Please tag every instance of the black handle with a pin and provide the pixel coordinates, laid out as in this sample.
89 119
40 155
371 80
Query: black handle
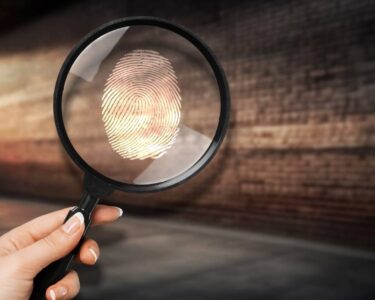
57 270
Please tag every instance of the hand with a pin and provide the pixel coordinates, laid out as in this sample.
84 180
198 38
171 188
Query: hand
27 249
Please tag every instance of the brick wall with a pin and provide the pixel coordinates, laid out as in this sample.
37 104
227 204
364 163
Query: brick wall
300 157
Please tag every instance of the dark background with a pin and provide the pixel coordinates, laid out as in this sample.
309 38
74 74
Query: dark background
286 210
300 156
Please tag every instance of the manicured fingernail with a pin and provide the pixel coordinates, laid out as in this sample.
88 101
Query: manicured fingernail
120 212
74 223
92 251
58 293
52 294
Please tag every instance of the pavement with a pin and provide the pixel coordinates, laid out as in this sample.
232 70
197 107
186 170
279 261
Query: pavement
154 258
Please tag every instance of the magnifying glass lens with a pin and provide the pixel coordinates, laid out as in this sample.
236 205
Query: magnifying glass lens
141 104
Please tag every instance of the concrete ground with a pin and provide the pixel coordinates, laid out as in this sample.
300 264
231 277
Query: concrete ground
146 258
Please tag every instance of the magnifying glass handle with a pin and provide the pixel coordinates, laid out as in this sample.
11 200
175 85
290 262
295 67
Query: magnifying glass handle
58 269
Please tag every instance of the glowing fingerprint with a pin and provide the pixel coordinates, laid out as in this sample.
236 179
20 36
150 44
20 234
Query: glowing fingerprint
141 105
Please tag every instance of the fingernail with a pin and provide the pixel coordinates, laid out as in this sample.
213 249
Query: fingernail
52 294
120 212
58 293
92 251
74 223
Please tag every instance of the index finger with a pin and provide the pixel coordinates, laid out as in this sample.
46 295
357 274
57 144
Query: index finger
40 227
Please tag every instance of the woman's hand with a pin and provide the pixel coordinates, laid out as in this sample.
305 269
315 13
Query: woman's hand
27 249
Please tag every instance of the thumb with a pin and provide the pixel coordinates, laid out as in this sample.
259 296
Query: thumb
52 247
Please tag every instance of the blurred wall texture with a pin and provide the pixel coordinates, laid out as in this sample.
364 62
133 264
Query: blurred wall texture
300 157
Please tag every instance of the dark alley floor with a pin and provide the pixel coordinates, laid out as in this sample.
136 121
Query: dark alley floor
145 258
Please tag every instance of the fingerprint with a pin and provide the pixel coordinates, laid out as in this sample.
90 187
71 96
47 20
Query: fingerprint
141 105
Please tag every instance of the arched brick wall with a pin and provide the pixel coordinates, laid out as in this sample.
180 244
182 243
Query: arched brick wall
300 157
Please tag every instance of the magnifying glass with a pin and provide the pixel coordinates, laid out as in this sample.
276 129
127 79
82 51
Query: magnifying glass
140 105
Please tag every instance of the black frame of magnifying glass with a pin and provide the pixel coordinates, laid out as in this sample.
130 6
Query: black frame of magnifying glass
99 184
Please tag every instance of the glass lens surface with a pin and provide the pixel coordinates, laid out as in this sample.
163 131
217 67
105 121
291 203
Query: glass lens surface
141 105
